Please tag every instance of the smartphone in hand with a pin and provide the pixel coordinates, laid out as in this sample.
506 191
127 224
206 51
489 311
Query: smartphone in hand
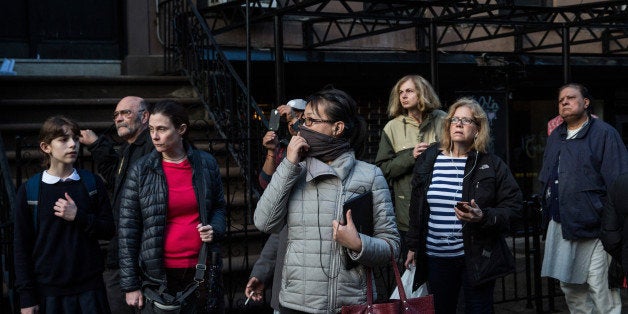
461 207
273 122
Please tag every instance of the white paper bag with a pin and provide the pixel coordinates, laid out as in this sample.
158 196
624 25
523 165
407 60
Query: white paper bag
406 281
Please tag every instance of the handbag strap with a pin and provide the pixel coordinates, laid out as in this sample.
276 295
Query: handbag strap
201 266
369 287
199 277
402 292
369 279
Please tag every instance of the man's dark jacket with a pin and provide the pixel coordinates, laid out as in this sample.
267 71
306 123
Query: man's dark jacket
113 166
589 165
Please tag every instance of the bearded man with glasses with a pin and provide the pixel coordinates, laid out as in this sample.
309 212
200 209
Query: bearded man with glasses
131 122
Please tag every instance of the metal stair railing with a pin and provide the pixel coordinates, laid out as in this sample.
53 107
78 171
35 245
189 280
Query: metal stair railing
7 203
240 123
190 48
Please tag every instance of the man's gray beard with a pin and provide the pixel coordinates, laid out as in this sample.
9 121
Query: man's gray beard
132 131
128 134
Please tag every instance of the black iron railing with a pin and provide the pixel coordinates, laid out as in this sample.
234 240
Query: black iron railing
7 202
190 48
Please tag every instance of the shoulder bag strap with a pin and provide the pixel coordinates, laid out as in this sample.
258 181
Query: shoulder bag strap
201 266
402 292
369 287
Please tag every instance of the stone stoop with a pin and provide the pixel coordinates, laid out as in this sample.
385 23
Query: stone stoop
57 67
27 100
90 100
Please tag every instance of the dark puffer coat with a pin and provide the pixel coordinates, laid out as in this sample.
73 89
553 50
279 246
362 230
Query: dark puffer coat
143 213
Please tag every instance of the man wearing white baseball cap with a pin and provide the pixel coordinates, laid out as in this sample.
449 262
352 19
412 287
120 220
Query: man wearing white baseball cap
292 112
267 268
297 104
297 107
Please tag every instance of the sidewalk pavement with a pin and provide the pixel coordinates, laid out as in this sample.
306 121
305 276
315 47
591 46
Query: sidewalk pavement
521 306
559 305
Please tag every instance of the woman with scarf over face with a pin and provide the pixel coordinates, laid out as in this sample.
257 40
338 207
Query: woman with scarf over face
307 192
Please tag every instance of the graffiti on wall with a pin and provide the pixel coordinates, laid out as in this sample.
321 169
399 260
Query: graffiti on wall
494 104
490 105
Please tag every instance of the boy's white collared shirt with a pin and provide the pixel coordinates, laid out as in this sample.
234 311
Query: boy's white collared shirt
50 179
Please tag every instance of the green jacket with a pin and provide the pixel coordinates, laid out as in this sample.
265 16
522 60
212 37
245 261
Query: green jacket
394 156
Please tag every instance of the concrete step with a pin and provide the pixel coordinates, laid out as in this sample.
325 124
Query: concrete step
68 87
83 110
33 128
56 67
28 128
84 103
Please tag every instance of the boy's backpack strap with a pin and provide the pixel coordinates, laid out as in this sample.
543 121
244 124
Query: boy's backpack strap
32 195
34 183
89 181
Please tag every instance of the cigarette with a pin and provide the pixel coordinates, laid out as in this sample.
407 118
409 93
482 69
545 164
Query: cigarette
247 300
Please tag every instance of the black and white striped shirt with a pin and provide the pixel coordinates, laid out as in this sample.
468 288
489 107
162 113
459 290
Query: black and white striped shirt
444 237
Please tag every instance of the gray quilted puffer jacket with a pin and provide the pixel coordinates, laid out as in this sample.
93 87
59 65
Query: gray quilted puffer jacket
308 196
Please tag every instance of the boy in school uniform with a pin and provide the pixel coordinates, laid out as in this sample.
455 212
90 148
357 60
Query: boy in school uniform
58 261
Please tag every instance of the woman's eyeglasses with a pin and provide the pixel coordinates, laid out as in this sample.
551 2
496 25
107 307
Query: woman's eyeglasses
465 121
309 121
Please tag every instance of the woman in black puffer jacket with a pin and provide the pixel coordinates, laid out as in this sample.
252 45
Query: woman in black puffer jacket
166 195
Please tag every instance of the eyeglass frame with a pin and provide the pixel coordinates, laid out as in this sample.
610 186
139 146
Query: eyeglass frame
464 121
125 113
304 121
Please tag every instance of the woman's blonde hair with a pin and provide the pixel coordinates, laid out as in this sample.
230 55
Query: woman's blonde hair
482 141
428 100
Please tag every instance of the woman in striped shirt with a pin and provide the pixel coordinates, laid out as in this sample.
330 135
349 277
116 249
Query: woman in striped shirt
462 201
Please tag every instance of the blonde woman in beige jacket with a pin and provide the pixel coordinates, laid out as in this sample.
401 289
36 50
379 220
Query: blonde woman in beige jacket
416 122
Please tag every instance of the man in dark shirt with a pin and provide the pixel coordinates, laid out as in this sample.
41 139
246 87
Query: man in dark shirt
131 121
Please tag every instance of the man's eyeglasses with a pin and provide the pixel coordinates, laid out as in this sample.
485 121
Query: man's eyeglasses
125 113
309 121
465 121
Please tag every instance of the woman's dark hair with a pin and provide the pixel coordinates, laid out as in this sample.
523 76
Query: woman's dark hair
339 106
177 114
54 127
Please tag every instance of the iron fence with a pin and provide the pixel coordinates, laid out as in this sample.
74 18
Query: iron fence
7 199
